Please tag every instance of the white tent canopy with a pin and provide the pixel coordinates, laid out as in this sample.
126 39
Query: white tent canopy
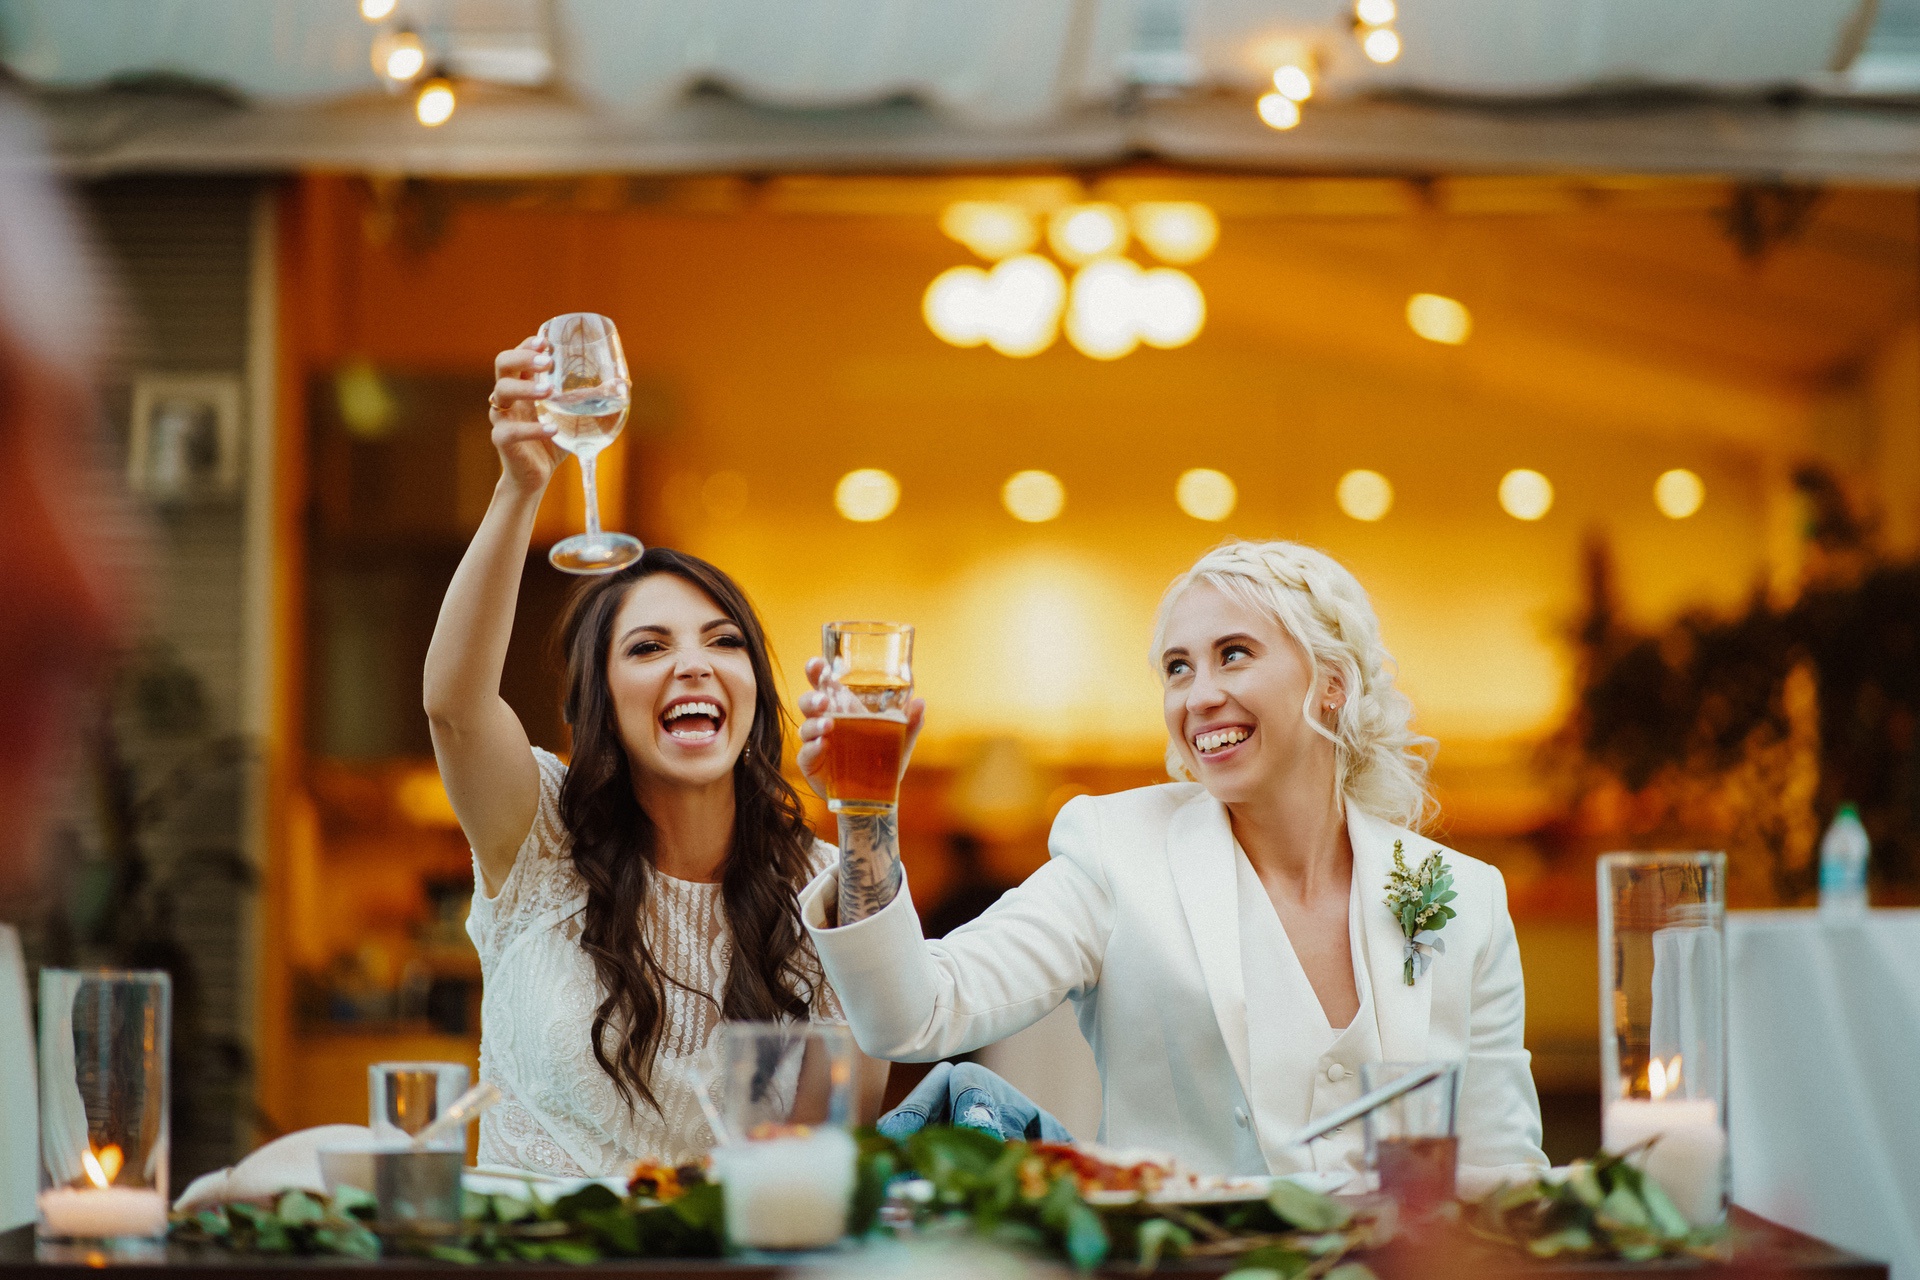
570 85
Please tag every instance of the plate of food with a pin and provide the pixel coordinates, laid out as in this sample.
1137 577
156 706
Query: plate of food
1108 1177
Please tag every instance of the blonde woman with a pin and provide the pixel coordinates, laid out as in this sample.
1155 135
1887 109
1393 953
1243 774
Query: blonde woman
1224 939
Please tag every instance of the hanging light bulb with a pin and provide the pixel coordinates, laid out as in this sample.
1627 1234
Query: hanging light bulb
1381 44
376 10
1279 111
434 104
1294 82
399 55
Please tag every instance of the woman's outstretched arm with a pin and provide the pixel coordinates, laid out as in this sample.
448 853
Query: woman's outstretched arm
485 759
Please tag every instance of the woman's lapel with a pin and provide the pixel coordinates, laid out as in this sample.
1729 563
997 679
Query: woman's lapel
1200 854
1402 1011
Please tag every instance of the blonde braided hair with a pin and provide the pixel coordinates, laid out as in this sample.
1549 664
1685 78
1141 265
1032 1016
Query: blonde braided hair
1380 763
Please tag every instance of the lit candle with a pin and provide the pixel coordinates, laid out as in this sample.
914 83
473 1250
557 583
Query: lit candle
1688 1159
788 1192
103 1210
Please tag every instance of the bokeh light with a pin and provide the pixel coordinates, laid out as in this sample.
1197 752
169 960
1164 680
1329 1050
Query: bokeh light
1381 44
1364 495
1101 320
1015 308
993 229
1206 494
1033 496
435 102
1293 82
1679 493
866 495
1082 232
1279 111
1526 495
1176 231
1376 13
1168 308
1439 319
399 55
376 10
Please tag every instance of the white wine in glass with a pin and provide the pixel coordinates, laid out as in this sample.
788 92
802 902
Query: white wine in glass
591 396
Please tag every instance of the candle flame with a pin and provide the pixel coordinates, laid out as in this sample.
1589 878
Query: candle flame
103 1166
1663 1078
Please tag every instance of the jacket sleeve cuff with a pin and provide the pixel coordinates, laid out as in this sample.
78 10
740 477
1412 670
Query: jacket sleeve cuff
878 966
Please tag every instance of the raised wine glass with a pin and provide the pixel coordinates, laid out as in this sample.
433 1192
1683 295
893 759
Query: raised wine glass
591 396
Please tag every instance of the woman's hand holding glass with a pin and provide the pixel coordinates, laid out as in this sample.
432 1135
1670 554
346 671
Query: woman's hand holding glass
528 455
819 723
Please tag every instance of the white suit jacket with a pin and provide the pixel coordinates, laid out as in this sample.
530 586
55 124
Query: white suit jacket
1135 920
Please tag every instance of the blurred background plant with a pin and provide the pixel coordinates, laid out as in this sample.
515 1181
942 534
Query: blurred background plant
146 839
1748 732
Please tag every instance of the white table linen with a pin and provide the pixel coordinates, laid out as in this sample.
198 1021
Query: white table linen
19 1110
1824 1038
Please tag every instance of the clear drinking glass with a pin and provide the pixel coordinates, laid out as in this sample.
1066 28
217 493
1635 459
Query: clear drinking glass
405 1097
1410 1139
104 1037
780 1101
1663 1022
591 396
869 686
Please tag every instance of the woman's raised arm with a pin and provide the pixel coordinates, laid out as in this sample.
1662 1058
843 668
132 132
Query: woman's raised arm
485 759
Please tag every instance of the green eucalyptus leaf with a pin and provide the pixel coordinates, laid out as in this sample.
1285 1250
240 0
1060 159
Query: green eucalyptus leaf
1584 1184
1157 1236
1087 1242
453 1253
1272 1258
1668 1222
1351 1271
1307 1210
1622 1210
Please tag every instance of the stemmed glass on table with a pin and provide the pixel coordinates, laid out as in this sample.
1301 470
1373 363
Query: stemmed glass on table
592 393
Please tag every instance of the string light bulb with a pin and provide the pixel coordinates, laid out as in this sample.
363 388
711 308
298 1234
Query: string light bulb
1033 496
1206 494
434 104
1293 81
1279 111
1382 44
1679 493
1364 495
866 495
1526 495
377 10
1082 232
1438 318
993 229
1176 231
399 55
1375 13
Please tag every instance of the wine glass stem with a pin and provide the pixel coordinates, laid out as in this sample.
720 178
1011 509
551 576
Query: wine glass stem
588 463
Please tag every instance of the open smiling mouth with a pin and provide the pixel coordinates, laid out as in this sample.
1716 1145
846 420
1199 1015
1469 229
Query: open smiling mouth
693 721
1215 741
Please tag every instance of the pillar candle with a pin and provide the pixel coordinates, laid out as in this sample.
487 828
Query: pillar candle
1688 1161
102 1212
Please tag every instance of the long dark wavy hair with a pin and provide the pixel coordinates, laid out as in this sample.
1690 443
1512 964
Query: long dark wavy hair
772 972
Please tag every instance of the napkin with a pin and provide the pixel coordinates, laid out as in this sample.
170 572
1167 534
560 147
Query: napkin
289 1163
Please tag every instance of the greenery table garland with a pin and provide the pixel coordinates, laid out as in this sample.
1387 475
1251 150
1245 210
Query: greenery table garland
971 1185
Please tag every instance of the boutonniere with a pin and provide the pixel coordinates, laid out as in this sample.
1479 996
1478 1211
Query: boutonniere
1418 899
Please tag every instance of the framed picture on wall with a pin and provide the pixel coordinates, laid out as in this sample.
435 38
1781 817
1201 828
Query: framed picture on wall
185 438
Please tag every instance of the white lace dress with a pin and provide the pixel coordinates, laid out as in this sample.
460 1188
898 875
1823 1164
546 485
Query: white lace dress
560 1113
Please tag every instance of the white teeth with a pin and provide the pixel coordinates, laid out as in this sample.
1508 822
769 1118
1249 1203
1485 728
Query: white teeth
1221 738
707 709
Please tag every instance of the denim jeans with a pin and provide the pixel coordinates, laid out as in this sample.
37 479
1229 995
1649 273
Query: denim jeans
969 1095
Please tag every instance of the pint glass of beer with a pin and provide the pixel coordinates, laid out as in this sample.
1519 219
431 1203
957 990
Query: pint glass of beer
869 685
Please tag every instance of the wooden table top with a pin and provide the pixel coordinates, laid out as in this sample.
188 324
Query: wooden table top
1758 1246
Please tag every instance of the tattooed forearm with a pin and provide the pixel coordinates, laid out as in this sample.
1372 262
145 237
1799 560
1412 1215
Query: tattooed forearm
870 871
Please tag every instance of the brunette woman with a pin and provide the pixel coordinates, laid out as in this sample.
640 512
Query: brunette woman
627 904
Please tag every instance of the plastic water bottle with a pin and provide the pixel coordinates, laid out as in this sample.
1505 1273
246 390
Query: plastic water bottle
1843 865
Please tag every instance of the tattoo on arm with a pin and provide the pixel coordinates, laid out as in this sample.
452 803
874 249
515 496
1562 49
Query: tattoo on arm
870 871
